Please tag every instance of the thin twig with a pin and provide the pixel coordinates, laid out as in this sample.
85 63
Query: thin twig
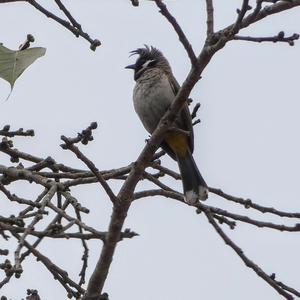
165 170
181 35
50 194
210 17
223 220
269 10
26 44
247 203
14 198
245 219
195 110
287 288
5 131
69 144
85 254
58 273
68 14
274 39
75 30
241 14
249 263
154 180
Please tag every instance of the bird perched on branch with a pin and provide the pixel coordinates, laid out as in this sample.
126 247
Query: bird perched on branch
155 90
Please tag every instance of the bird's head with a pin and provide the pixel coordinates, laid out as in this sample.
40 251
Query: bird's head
149 57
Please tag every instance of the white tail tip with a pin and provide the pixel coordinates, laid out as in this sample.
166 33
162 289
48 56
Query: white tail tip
191 197
203 192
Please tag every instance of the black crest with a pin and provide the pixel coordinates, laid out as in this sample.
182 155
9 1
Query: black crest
151 55
148 53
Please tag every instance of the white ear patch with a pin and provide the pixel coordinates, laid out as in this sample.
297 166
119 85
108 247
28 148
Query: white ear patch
146 64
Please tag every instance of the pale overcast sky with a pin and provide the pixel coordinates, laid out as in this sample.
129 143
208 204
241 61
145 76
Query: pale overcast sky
247 144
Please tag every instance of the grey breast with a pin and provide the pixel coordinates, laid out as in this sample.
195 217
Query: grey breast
151 98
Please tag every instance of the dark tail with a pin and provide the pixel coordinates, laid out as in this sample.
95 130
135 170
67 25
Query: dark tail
194 186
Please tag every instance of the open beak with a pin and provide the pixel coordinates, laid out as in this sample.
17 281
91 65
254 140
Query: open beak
130 67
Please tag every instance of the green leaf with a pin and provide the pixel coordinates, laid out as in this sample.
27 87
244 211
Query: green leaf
14 63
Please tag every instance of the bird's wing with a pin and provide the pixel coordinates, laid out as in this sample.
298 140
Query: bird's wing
184 120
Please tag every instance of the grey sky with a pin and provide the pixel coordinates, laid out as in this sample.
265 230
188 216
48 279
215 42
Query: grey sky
247 144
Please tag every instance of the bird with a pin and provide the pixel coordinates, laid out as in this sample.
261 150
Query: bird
154 92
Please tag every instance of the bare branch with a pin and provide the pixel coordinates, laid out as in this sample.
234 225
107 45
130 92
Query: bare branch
9 1
245 219
6 146
182 37
164 170
223 220
194 112
221 37
36 219
158 192
249 263
154 180
27 42
58 273
247 203
68 14
210 17
50 234
75 30
69 144
277 38
5 131
241 14
61 178
277 7
32 295
287 288
14 198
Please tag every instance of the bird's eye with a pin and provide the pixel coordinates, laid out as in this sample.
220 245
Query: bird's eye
149 63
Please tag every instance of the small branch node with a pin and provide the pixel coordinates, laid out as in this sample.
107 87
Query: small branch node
26 44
